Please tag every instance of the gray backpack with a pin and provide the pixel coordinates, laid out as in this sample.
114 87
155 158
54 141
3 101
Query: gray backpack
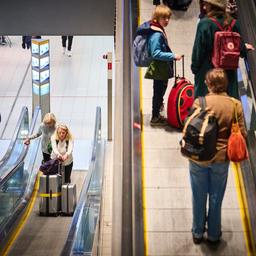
141 54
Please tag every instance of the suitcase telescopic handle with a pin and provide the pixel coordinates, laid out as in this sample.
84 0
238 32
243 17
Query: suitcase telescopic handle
183 67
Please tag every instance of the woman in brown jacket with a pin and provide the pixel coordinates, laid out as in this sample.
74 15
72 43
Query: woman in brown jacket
210 178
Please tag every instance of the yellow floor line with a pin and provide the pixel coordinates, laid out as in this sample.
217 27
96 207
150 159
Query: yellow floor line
243 205
142 154
23 220
143 176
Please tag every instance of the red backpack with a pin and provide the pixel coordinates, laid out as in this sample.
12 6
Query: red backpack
226 47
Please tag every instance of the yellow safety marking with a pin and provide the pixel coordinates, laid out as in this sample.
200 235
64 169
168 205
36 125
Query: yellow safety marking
50 195
243 206
143 174
23 220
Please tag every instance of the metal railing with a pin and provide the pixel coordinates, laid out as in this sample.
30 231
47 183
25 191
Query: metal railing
128 229
16 143
82 238
247 89
17 185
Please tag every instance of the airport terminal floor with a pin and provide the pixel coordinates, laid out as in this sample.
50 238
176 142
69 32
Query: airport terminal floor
79 99
78 86
167 185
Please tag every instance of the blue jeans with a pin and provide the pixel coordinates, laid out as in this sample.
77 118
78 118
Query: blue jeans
208 180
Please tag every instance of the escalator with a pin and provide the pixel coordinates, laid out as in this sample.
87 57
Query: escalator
17 174
247 89
23 231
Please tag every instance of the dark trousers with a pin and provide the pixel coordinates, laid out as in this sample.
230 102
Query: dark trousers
159 89
46 157
64 40
68 169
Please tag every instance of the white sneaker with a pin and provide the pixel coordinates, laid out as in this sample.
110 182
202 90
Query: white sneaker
64 50
69 54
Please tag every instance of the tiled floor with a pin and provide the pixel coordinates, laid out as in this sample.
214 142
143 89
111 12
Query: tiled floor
167 186
78 83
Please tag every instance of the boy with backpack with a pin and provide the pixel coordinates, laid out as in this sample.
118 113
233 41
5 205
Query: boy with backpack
160 67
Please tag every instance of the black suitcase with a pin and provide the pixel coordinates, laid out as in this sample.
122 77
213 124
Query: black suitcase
179 5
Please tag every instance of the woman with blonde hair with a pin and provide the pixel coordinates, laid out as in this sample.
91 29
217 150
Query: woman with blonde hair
46 129
62 148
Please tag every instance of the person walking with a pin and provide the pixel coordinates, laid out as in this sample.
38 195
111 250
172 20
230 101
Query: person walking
64 44
209 178
161 67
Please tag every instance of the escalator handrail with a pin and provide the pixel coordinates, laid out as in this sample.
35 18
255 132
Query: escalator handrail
10 220
24 112
21 158
67 249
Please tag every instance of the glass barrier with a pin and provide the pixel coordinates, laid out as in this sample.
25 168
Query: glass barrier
82 234
16 147
16 187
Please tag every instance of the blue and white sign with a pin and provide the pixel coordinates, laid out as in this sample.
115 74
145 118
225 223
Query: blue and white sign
35 75
44 62
45 89
35 48
35 62
44 75
44 48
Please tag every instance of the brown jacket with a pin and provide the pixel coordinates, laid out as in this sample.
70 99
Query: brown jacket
223 107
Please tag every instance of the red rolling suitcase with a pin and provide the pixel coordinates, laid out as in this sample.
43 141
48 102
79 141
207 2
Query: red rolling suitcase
180 99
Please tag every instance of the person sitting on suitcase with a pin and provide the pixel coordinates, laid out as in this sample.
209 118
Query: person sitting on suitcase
46 129
160 69
62 148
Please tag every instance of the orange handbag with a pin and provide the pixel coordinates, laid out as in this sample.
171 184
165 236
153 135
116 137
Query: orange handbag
237 150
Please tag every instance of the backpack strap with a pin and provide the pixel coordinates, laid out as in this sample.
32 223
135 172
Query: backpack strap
229 27
202 102
217 23
235 115
67 142
232 24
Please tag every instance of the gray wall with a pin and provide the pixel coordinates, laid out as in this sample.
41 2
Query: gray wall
57 17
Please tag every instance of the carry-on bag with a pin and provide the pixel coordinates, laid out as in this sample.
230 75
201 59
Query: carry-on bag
50 167
236 150
68 199
50 195
180 99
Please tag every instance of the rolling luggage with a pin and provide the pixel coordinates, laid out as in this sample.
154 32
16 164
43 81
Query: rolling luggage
68 199
180 99
50 195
